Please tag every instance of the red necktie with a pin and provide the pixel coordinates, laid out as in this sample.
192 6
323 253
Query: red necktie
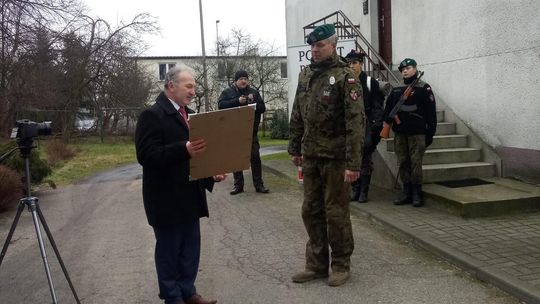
182 111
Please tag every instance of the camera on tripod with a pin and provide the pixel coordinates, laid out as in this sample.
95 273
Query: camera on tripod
29 129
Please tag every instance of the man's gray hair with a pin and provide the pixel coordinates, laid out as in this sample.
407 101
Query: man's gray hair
173 73
332 39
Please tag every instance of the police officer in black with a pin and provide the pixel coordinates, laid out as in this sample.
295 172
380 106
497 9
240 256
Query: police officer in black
415 132
240 93
373 105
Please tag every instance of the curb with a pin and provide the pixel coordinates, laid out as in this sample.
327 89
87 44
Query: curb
476 268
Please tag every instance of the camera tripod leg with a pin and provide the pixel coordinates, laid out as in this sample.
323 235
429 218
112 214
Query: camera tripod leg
32 205
11 231
60 261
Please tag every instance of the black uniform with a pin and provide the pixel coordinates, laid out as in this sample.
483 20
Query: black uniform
411 137
373 106
229 99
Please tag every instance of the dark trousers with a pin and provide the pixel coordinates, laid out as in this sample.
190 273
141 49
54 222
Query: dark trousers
256 167
410 153
371 140
177 260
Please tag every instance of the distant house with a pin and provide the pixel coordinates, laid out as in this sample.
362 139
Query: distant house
220 71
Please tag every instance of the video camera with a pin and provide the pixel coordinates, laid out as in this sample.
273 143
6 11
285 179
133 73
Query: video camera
29 129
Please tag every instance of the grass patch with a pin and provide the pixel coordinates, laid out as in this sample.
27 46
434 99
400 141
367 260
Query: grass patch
267 141
277 156
92 156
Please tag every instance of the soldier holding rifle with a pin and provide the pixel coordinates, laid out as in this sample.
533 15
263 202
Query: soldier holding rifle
410 110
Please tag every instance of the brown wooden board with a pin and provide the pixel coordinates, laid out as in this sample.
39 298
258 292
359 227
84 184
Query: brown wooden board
228 134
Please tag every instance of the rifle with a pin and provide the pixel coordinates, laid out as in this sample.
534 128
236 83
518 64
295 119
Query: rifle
385 132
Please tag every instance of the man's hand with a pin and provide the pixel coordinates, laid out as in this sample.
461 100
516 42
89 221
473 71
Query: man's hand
242 99
219 177
351 176
196 147
297 160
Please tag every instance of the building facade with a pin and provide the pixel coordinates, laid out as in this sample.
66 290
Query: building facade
481 58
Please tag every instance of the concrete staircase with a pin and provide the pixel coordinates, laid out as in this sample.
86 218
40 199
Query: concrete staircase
450 157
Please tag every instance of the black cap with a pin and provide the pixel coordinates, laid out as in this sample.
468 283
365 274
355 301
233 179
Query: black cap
407 62
355 55
239 74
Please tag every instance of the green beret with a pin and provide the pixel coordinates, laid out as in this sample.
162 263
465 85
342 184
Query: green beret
321 32
407 62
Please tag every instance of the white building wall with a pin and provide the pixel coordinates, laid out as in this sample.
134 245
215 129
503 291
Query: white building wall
301 13
481 57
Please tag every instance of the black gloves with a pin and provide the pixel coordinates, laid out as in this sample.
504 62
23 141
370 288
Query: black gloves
429 140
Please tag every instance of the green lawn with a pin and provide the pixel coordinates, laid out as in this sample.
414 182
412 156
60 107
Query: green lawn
92 156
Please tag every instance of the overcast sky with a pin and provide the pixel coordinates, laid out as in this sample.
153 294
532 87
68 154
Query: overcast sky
180 24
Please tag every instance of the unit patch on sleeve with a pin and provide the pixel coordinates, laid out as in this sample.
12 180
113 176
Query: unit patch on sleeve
351 81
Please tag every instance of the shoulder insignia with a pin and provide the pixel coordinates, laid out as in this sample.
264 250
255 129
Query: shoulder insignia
351 81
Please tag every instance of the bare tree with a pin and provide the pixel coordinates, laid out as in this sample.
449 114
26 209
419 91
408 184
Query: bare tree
258 58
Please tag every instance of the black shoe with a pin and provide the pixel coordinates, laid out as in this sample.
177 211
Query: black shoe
405 197
261 189
235 191
417 199
362 198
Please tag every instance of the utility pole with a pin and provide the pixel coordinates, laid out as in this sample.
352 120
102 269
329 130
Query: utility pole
217 38
205 76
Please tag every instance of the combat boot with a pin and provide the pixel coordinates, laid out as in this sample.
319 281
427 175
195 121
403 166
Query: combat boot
417 199
308 275
364 188
355 190
338 278
405 197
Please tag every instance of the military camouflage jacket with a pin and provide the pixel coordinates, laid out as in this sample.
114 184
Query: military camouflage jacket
327 118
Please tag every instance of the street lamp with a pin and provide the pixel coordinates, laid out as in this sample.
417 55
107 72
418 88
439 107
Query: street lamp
217 37
205 76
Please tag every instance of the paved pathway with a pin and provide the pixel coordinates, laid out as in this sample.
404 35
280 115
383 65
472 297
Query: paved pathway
504 250
252 243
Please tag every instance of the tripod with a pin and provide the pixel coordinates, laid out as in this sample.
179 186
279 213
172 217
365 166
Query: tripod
26 146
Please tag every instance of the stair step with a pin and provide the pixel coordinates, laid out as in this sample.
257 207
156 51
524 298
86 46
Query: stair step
456 171
440 115
501 197
439 142
446 128
448 156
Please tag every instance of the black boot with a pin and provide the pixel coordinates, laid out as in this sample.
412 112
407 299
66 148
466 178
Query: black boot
418 200
355 190
364 188
405 197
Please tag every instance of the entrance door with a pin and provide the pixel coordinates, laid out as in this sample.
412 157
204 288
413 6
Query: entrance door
385 30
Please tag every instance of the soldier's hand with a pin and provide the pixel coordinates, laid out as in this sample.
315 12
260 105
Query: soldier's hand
351 176
297 160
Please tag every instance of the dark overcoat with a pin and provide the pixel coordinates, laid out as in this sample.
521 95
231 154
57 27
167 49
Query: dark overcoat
170 198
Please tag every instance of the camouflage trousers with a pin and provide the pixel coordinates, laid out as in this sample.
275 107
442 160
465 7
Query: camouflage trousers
326 215
410 152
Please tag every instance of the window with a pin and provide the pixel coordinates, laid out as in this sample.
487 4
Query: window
284 70
164 68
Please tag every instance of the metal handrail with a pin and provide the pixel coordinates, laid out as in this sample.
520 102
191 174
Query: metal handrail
375 61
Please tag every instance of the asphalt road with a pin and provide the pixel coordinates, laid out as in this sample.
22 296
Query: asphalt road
251 245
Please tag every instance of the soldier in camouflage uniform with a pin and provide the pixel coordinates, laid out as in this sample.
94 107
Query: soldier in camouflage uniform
415 132
326 136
